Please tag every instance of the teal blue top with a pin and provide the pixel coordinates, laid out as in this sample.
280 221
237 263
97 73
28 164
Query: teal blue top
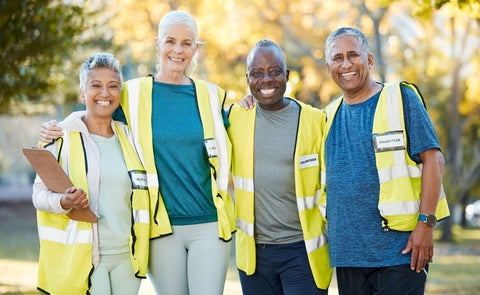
180 155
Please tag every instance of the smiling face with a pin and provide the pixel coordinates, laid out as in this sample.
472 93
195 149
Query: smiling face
267 77
102 93
176 48
349 64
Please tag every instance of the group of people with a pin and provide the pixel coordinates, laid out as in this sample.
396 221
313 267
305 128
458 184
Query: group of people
152 158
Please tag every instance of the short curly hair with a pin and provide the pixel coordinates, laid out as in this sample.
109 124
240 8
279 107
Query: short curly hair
99 60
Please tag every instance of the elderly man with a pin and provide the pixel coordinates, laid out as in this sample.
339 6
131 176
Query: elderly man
383 168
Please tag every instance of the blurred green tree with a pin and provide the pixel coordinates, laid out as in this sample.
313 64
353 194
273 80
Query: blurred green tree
36 37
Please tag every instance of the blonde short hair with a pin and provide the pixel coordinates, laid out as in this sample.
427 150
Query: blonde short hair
180 17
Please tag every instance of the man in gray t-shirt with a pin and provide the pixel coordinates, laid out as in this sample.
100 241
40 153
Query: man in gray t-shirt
281 247
276 214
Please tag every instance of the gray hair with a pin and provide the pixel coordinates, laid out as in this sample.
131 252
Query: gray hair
345 31
99 60
263 44
180 17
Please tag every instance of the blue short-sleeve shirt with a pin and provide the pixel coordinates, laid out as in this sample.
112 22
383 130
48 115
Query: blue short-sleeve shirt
355 233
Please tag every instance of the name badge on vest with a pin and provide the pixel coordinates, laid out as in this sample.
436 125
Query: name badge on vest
139 179
389 141
211 147
308 161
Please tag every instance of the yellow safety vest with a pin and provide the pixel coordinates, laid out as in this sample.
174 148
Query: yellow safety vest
137 106
65 262
399 175
307 188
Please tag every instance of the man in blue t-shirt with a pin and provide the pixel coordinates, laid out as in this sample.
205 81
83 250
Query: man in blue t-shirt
370 253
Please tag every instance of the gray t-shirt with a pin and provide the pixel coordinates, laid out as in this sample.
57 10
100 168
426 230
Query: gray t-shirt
276 213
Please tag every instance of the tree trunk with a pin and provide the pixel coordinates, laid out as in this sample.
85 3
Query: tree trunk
447 224
463 202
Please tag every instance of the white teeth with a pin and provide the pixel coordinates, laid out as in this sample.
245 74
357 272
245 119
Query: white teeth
176 59
267 91
104 102
348 75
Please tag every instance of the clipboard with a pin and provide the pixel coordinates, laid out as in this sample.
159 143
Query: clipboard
55 179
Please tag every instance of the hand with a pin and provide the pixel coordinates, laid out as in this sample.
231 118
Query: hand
248 102
50 131
74 199
420 243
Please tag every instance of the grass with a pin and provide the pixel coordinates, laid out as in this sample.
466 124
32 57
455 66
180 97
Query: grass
458 274
18 231
456 267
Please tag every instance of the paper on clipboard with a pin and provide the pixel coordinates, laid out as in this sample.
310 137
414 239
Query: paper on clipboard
55 179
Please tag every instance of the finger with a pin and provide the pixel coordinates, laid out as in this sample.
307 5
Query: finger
251 100
43 132
85 204
79 196
408 248
413 262
51 126
420 262
54 128
44 138
70 190
79 202
48 135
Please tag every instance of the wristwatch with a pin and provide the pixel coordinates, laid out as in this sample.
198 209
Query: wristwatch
429 219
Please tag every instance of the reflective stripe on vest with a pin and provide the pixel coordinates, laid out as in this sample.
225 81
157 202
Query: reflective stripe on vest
316 243
243 183
247 228
152 179
399 171
220 138
69 236
308 202
141 216
133 90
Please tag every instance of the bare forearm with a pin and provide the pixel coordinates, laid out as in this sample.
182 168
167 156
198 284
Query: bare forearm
432 174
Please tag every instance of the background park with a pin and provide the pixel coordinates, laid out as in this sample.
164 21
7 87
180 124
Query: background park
434 44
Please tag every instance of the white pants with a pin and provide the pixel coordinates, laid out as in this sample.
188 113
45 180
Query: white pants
191 261
114 276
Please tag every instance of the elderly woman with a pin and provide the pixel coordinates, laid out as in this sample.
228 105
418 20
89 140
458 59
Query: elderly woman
111 256
178 129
